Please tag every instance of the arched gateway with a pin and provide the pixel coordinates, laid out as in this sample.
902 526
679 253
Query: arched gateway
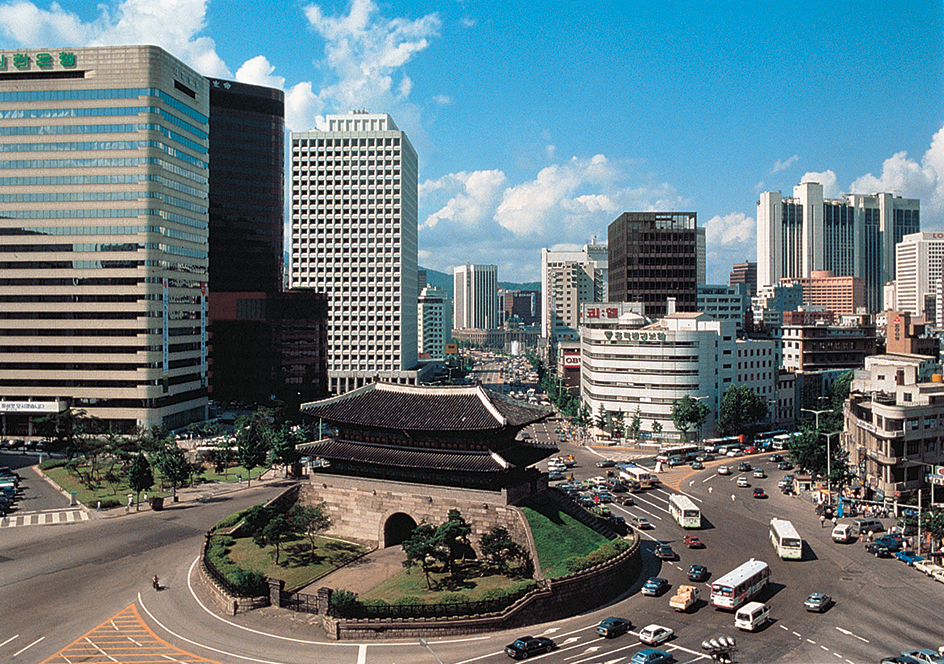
397 528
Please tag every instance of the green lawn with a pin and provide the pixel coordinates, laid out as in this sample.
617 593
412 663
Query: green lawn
558 536
296 565
116 492
409 587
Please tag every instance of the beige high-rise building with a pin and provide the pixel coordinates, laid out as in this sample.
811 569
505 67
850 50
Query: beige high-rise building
103 237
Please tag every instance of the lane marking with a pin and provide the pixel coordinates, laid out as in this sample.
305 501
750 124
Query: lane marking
848 633
362 654
29 646
8 640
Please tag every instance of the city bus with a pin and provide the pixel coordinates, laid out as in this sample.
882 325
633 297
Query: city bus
769 435
715 444
636 474
684 511
786 540
740 585
686 452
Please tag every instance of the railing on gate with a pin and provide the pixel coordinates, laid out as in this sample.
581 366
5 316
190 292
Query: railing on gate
299 602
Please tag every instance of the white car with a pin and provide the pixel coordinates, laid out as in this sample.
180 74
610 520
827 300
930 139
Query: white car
724 470
653 635
742 481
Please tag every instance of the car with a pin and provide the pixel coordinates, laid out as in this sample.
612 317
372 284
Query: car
908 557
818 602
752 449
785 481
759 473
654 586
617 523
606 463
925 655
879 550
654 634
759 493
742 481
735 453
640 522
697 573
604 497
706 456
893 543
724 470
775 458
743 467
625 499
899 659
785 465
612 627
529 645
697 465
555 476
651 656
692 542
663 552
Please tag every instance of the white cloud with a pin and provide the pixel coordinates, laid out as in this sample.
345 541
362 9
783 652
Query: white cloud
733 228
827 179
782 165
911 179
472 198
442 100
258 71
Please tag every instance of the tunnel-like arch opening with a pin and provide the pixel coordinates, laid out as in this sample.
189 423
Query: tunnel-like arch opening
398 528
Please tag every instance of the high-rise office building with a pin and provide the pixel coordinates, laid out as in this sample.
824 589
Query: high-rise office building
475 297
570 279
854 236
655 256
522 304
432 322
744 273
103 236
262 342
919 264
354 238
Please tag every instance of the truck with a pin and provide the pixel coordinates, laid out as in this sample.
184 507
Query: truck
685 598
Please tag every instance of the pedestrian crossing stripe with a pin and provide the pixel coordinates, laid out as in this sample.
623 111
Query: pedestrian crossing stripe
43 518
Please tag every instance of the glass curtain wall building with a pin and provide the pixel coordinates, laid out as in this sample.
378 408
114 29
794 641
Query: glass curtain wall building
103 236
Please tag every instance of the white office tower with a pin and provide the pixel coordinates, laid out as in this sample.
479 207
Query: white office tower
918 267
475 297
103 237
432 321
854 236
570 279
354 235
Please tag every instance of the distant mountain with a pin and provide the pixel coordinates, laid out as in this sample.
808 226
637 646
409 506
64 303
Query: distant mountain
443 281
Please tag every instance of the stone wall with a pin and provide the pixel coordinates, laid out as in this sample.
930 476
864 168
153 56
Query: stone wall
223 601
359 508
555 599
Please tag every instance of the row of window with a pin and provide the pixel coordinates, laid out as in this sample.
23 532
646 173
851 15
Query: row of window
117 111
53 130
101 230
101 179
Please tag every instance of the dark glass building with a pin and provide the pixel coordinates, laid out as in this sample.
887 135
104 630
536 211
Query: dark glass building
654 256
263 342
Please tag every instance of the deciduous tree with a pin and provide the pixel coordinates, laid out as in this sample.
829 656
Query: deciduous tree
742 409
140 476
310 521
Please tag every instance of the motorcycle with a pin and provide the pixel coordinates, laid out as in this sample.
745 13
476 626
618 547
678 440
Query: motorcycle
156 583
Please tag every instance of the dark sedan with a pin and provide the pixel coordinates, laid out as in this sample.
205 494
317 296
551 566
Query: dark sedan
529 645
654 586
612 627
664 552
697 573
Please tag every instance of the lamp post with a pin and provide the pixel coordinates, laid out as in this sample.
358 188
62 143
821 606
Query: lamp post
817 413
829 457
425 644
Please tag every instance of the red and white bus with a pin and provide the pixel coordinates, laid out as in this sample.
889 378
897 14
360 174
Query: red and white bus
740 585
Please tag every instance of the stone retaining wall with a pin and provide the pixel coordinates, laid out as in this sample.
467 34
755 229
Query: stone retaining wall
555 599
223 601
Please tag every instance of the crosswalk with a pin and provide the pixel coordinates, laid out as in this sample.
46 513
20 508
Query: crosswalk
43 518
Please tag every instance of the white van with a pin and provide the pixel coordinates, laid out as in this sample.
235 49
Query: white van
843 533
751 616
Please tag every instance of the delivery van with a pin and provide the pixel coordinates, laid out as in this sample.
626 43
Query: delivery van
867 525
751 616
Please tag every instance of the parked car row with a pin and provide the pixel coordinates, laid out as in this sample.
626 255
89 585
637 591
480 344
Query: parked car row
9 489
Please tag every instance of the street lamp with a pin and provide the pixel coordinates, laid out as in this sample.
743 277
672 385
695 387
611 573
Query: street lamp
829 457
817 413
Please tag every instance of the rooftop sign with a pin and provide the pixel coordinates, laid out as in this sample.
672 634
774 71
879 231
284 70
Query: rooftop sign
42 60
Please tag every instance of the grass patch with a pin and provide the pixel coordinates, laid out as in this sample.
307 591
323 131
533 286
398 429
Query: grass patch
476 584
113 491
558 536
296 564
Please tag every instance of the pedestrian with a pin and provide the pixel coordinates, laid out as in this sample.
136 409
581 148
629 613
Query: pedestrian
733 497
709 490
834 522
822 520
869 537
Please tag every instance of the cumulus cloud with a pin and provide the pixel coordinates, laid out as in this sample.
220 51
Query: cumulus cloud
922 179
258 71
827 179
472 198
784 164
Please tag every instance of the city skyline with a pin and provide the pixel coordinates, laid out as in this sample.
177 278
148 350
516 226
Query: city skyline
536 130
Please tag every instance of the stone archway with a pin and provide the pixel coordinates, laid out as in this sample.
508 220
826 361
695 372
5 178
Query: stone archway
397 528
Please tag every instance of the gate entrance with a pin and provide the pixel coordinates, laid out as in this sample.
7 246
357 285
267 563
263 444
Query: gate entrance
397 529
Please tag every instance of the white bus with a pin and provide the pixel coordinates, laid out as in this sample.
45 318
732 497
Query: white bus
786 540
713 444
686 452
637 474
740 585
684 511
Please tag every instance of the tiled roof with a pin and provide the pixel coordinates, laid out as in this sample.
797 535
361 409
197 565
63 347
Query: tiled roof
406 457
422 408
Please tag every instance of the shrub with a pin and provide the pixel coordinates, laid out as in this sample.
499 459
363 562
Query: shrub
342 603
248 582
231 520
53 463
600 555
108 503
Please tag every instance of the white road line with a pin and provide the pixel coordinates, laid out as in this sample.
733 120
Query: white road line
362 654
848 633
811 641
798 635
29 646
10 639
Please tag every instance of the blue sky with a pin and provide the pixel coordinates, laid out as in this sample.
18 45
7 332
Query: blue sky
538 123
